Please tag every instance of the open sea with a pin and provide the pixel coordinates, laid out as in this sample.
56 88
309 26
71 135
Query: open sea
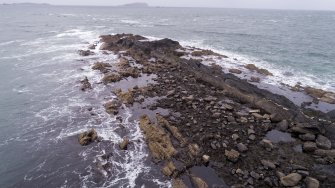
42 109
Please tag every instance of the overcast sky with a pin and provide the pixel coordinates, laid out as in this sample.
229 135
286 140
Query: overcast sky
263 4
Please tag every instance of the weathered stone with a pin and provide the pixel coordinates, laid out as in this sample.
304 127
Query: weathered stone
85 52
210 99
241 147
255 79
232 155
235 136
291 179
255 175
231 119
309 146
102 67
109 78
283 125
124 144
159 142
85 84
87 137
267 144
325 153
312 182
253 67
323 142
235 71
252 137
194 149
112 107
168 169
173 129
268 164
251 131
307 137
126 97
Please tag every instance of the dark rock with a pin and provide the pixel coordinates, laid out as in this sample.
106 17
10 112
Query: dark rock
267 144
283 125
309 146
307 137
255 79
235 71
255 175
85 52
241 147
85 84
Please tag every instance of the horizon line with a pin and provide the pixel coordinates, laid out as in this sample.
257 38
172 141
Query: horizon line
150 6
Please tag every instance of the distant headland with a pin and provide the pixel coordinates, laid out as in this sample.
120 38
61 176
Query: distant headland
26 4
135 5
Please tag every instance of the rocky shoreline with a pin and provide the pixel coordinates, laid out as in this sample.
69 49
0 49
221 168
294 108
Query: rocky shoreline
202 120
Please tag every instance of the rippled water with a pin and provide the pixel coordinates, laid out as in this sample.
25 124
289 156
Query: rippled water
42 108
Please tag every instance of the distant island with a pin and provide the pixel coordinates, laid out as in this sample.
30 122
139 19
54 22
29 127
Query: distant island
135 5
27 4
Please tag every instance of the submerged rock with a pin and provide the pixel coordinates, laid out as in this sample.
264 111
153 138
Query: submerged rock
87 137
253 67
235 71
85 52
85 84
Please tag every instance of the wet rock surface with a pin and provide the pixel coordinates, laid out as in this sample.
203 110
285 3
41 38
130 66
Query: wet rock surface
245 134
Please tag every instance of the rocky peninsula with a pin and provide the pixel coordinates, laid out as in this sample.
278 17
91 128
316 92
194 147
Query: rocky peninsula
205 127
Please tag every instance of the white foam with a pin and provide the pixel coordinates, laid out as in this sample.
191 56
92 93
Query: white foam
279 72
10 42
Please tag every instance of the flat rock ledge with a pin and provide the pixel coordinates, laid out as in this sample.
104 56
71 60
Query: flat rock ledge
215 120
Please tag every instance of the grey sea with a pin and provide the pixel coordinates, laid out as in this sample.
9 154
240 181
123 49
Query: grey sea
42 109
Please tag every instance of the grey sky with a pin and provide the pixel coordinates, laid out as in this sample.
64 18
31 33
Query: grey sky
264 4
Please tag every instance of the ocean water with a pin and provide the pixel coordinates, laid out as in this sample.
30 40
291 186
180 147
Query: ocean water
42 109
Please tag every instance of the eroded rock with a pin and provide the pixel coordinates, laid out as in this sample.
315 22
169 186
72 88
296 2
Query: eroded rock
87 137
159 142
